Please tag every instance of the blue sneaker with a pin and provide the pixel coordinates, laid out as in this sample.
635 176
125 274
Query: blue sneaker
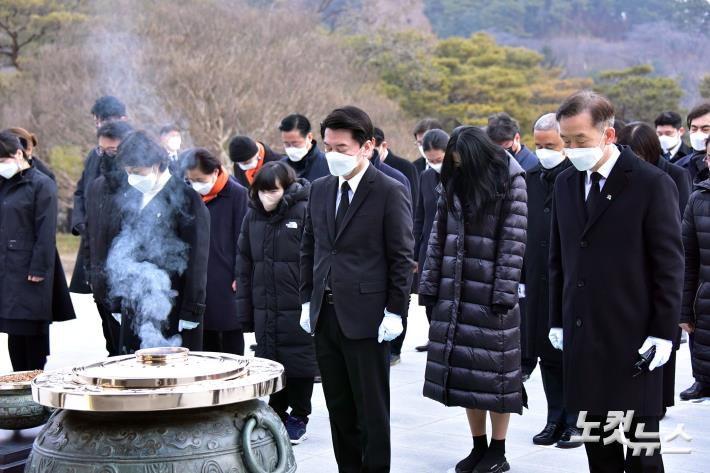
296 429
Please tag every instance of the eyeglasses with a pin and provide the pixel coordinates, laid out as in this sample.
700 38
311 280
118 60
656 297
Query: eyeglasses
109 152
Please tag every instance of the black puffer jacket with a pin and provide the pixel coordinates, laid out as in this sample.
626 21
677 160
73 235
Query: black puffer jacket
472 269
268 297
696 290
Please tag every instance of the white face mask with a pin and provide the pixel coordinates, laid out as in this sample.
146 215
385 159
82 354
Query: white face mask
436 167
341 164
296 154
697 140
270 200
174 143
203 188
667 142
249 165
549 158
9 169
143 183
584 159
421 150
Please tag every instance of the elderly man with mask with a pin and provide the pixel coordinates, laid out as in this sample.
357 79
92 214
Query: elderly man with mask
616 277
549 148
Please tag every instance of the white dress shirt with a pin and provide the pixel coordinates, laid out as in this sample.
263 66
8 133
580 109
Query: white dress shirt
604 170
353 182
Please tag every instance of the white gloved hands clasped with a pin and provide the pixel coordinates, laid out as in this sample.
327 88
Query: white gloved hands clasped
187 325
390 328
305 321
664 349
555 337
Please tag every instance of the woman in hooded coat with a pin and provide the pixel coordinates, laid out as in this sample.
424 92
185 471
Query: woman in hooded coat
471 275
268 297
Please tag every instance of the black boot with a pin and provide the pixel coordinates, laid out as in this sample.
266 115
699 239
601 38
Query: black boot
549 435
494 460
480 446
696 391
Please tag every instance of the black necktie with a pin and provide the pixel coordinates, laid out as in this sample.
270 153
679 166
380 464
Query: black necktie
343 206
594 194
667 155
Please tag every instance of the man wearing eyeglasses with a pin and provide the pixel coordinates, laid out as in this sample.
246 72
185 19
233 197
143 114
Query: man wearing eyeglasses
96 238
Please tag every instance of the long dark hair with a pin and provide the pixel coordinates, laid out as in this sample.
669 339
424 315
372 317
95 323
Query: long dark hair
475 169
643 141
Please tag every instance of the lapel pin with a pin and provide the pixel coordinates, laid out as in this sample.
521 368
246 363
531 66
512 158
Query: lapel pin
608 197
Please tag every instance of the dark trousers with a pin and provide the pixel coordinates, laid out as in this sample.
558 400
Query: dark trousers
296 395
28 352
111 329
223 341
396 344
610 458
552 383
429 309
355 375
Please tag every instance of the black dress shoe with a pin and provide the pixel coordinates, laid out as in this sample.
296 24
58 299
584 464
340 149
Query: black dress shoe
565 440
696 391
422 348
549 435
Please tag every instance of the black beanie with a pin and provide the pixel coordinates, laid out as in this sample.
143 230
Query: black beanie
242 148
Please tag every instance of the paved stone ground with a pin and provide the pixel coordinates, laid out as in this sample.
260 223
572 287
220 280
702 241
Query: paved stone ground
426 436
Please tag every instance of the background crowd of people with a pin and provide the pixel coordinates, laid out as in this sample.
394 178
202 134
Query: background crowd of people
520 258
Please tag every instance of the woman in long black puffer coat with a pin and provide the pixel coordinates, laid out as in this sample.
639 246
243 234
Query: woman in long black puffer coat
471 275
268 298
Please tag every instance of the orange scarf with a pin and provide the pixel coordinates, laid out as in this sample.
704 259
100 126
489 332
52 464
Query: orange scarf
222 179
252 172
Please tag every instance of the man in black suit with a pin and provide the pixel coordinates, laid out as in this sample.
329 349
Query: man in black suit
670 131
356 270
616 276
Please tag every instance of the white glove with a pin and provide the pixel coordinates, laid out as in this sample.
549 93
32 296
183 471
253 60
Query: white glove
117 316
187 325
555 337
664 349
390 328
306 317
521 291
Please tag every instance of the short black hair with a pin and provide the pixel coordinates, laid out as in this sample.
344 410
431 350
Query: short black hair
502 127
425 125
642 140
242 148
435 139
668 119
107 107
138 149
266 178
296 121
698 111
350 118
116 130
379 136
598 106
200 158
9 144
169 129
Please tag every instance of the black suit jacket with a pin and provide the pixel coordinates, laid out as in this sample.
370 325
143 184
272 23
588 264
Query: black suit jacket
615 278
410 172
369 260
681 178
683 150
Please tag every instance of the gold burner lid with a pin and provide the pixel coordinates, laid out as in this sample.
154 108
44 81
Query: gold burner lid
161 367
159 379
